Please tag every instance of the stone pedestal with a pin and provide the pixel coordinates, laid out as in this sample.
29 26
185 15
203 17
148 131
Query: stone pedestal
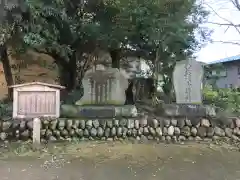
187 110
93 111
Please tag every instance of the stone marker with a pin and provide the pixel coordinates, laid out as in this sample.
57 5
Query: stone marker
36 132
187 80
103 86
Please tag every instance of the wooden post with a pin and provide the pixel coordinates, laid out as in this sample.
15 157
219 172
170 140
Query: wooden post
36 132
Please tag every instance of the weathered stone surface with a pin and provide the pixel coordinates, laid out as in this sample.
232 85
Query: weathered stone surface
215 138
152 131
228 132
194 131
187 80
219 132
188 122
202 132
210 131
182 138
123 122
130 123
174 122
186 131
100 132
170 130
91 111
110 123
167 122
61 124
119 131
3 136
95 123
110 80
79 132
93 132
205 122
143 120
188 110
107 132
6 125
237 122
155 123
86 133
140 131
82 124
177 131
69 124
126 111
168 139
145 131
144 139
53 124
89 124
76 124
15 124
113 131
136 124
165 131
159 132
181 123
116 122
134 132
124 132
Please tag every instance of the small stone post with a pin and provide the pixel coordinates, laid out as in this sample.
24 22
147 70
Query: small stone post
36 132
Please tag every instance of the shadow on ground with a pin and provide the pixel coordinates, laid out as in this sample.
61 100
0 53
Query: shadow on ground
120 161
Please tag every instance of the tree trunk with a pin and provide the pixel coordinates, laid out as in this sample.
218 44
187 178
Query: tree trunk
115 55
7 70
67 71
72 72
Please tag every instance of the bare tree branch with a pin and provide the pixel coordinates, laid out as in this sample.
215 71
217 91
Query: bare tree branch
228 42
229 23
224 24
236 3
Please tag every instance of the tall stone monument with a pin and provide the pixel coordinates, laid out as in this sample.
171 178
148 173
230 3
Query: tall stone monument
187 80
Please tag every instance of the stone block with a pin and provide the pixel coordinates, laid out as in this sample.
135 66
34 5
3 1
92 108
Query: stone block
187 110
74 111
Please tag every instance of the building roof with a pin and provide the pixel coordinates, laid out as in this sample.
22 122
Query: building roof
37 83
228 59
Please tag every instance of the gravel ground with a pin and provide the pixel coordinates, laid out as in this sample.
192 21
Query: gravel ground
119 161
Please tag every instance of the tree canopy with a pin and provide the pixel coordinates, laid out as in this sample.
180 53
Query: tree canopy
68 29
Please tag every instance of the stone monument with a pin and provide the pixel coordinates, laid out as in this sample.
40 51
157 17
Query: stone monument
187 80
103 86
104 96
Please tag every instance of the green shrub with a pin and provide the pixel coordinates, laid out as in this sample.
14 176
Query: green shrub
226 99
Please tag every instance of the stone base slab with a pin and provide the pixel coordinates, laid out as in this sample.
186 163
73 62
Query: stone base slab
188 110
75 111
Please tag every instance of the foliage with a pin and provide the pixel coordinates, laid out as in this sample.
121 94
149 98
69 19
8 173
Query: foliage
227 99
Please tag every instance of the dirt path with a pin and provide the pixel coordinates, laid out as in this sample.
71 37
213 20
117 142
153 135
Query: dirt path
93 161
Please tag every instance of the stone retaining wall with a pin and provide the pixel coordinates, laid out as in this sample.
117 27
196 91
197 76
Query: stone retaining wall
161 129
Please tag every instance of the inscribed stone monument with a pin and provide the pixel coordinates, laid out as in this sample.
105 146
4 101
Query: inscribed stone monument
103 86
187 80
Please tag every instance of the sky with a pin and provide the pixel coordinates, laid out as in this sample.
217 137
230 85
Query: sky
215 51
